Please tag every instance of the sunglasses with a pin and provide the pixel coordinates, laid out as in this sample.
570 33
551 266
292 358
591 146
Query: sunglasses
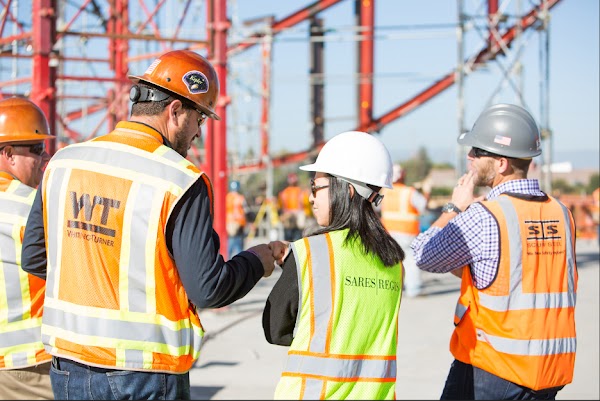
314 188
478 152
36 148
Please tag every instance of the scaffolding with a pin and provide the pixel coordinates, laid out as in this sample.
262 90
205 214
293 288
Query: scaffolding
72 59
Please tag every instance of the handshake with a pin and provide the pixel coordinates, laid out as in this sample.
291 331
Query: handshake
271 253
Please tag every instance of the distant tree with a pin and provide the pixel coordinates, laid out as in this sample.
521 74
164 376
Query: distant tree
443 166
562 186
593 183
417 167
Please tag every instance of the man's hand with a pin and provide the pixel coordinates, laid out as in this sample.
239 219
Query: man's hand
463 194
280 250
265 255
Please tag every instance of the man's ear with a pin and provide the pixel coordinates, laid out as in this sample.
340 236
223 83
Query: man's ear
7 152
352 190
174 109
504 165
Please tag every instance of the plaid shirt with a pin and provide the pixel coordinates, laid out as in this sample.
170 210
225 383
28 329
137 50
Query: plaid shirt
471 238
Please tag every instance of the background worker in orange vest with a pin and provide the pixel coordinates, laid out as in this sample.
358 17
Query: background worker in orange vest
596 211
401 208
24 364
514 335
235 218
291 202
121 229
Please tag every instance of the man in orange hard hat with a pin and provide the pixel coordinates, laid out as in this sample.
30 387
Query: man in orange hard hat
131 250
24 363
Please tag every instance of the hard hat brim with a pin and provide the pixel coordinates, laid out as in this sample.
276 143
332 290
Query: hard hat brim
8 139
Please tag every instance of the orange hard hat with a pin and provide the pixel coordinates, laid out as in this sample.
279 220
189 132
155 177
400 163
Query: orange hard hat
185 74
21 120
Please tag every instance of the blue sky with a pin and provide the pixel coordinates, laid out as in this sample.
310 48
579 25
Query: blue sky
406 61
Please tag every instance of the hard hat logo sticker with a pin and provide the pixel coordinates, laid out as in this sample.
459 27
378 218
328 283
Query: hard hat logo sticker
196 82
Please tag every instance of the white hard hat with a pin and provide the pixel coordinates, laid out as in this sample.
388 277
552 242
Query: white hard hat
357 158
397 172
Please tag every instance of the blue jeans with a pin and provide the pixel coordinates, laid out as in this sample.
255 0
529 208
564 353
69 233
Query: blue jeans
466 382
75 381
235 245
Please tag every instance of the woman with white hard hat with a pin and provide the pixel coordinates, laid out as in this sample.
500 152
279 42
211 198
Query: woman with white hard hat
337 300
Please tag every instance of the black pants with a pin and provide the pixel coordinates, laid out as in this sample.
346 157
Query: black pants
466 382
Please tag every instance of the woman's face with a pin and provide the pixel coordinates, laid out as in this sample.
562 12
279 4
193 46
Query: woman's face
319 198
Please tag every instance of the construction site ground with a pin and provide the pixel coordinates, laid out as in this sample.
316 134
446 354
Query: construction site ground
236 361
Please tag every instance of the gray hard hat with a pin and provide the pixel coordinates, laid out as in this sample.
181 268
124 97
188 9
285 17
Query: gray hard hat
506 130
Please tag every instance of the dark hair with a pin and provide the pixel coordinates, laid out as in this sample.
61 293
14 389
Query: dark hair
155 108
357 214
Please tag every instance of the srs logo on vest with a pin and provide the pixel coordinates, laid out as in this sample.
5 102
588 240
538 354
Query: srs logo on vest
86 203
542 230
543 238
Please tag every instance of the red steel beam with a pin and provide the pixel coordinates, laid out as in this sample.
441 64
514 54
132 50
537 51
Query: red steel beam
435 89
366 22
492 23
220 24
43 84
486 54
266 99
287 22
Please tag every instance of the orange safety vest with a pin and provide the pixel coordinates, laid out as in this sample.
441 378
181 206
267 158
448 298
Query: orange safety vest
291 199
234 209
23 294
522 326
114 298
397 212
596 206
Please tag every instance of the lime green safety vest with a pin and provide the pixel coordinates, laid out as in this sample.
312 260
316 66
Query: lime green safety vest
345 337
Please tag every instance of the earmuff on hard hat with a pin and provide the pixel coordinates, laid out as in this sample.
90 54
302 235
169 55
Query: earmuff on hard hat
185 74
359 159
21 120
139 93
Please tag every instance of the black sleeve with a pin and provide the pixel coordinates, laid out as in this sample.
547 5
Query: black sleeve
209 281
281 309
33 253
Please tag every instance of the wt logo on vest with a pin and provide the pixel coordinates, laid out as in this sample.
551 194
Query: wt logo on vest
88 204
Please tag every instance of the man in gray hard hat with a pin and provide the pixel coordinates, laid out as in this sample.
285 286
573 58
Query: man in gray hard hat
514 335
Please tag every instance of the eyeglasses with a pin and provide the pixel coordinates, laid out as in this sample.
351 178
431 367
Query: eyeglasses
202 119
36 148
478 152
314 188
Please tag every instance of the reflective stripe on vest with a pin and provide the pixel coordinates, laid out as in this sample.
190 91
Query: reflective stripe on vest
319 357
20 321
535 283
137 331
397 212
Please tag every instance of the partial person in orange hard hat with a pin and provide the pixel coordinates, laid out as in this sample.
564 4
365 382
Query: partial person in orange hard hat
24 363
126 223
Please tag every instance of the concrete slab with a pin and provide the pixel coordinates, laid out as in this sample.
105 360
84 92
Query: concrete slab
237 362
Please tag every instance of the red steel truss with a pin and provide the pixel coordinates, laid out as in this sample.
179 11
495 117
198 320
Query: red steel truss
72 59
